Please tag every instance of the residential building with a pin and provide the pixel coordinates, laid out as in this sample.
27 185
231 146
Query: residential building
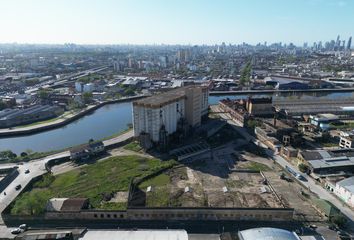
88 87
84 151
345 190
322 121
346 140
163 114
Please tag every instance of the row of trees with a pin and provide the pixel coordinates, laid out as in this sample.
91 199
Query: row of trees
9 156
246 74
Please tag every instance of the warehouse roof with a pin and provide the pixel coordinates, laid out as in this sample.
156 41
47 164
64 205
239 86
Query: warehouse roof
347 183
332 162
136 235
267 234
165 98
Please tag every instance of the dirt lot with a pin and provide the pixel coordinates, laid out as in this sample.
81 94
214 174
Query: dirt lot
222 181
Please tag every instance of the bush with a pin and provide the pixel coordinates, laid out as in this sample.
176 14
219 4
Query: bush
339 220
303 168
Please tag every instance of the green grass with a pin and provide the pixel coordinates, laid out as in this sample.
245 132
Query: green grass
133 146
114 206
92 181
255 166
159 180
159 197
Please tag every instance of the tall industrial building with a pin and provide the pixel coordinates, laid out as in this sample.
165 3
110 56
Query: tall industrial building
156 118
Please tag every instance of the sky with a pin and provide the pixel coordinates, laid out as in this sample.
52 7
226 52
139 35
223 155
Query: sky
174 21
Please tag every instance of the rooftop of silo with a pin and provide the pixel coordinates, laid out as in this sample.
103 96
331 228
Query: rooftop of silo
164 98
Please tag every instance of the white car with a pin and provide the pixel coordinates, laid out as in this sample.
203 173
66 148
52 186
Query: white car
23 227
17 231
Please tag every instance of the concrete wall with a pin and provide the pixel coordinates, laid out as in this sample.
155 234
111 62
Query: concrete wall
177 214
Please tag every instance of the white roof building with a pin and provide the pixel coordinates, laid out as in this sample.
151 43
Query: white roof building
135 235
267 234
345 190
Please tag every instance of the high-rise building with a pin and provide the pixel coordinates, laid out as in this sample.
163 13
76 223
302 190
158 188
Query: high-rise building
116 66
349 44
183 55
338 41
157 117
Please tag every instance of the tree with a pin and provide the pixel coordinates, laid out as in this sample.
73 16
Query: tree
129 91
303 167
7 155
252 123
339 220
24 154
246 73
87 97
43 94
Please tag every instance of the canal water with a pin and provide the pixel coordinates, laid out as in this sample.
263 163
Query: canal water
103 122
112 119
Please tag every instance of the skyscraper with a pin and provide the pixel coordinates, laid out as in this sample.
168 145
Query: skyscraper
338 41
349 45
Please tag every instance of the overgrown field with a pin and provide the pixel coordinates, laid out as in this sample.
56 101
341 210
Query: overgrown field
95 181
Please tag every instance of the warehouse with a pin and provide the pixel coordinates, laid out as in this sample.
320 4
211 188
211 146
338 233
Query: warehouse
135 235
267 233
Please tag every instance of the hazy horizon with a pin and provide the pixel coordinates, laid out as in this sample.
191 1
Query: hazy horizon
156 22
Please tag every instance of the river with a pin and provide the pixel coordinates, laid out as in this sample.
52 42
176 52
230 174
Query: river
109 120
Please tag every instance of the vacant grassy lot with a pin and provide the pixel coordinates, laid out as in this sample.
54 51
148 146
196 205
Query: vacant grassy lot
133 146
96 182
255 166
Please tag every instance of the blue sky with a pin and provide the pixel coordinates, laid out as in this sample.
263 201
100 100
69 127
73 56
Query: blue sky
174 21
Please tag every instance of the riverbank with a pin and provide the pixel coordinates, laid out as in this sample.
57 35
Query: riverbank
107 141
48 125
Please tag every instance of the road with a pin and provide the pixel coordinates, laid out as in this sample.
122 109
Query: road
36 168
318 189
310 184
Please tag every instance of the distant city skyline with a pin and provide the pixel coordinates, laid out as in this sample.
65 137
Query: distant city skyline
175 22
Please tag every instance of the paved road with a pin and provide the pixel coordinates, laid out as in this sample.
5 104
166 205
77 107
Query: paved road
36 168
317 189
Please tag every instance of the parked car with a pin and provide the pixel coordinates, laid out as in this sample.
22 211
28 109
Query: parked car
17 231
23 227
18 187
27 171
